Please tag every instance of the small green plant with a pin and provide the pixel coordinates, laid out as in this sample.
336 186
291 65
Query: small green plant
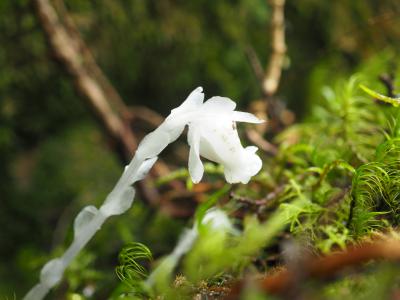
130 271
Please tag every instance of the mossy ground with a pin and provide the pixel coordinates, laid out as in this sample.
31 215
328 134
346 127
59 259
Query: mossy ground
334 182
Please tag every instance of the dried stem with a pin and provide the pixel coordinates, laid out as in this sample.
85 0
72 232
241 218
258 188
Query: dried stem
113 97
274 70
257 139
388 81
269 78
255 63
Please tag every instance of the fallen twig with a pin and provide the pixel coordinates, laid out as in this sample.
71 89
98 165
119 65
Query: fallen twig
326 267
68 49
257 139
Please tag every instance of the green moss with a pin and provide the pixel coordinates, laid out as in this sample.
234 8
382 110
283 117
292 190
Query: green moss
336 184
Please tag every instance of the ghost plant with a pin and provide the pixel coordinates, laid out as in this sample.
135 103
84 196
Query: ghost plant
215 219
212 134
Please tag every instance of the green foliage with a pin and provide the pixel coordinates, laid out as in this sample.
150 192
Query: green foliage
82 270
130 271
376 188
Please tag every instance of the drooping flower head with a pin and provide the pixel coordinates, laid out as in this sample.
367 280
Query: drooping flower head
213 135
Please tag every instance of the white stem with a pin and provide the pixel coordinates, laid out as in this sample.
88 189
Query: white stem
168 264
215 218
40 290
79 243
89 221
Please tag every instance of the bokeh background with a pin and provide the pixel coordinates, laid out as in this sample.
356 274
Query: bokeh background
54 155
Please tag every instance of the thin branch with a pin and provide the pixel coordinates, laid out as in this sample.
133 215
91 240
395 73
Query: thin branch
269 78
255 63
388 81
106 104
274 69
257 139
68 49
146 115
112 95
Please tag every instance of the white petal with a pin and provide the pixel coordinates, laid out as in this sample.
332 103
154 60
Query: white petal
240 116
251 149
196 168
231 176
243 169
193 101
254 162
175 132
219 104
196 97
209 148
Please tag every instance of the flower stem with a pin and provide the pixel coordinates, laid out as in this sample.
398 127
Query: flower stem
89 221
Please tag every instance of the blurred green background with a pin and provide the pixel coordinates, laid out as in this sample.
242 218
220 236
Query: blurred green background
53 156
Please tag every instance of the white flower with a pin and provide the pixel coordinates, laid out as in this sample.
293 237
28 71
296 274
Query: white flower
212 134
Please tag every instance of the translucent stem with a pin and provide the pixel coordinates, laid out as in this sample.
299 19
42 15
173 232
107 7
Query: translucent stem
90 220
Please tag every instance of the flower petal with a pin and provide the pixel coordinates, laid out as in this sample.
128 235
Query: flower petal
240 116
196 97
196 168
254 162
219 104
174 133
194 100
